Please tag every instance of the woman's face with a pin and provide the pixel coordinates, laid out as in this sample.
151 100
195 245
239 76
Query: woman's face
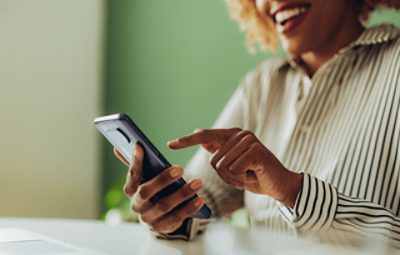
305 25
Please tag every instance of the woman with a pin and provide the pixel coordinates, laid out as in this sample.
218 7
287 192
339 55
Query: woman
308 143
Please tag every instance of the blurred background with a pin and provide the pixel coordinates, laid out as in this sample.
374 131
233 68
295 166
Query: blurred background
170 65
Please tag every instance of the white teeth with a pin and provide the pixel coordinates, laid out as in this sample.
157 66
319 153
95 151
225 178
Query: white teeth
287 14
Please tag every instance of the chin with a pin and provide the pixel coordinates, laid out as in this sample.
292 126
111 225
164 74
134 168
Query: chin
294 47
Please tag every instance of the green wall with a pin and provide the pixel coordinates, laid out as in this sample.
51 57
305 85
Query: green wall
172 65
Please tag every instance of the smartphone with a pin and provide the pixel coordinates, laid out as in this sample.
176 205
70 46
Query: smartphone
123 134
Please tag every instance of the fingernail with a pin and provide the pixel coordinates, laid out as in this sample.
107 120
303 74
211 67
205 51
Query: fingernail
171 142
198 202
195 184
175 172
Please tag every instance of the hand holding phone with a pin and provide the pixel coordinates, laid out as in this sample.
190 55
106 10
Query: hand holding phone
157 190
164 215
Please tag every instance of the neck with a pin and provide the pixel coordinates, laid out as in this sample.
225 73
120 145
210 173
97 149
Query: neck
348 31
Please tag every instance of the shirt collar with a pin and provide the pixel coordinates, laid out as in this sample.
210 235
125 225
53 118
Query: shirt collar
371 36
377 35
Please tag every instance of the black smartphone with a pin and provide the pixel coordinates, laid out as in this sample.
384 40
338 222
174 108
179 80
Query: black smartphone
123 134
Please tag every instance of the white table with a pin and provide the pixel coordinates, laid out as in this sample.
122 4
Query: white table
130 238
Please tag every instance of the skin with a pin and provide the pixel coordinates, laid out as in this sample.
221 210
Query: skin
238 156
338 25
161 216
241 160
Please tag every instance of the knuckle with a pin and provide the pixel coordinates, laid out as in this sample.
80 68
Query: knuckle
163 179
176 218
236 130
248 138
186 192
153 225
140 208
214 160
192 209
163 206
223 163
134 173
219 165
255 146
205 131
245 133
198 130
143 192
128 190
146 220
134 207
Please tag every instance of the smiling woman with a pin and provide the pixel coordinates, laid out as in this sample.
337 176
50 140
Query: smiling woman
254 17
314 30
309 143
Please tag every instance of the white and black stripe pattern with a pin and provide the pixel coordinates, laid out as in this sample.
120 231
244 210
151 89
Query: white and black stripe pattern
355 120
315 207
345 138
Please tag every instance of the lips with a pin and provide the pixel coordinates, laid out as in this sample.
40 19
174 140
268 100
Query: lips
288 16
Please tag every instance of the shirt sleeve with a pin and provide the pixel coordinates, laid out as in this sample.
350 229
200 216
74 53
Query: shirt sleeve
320 207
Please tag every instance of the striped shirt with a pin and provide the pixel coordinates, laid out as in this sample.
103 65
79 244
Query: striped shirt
340 129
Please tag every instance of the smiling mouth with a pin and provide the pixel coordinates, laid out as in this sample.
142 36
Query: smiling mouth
288 17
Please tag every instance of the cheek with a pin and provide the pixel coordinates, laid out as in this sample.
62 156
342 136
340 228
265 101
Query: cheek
304 38
319 25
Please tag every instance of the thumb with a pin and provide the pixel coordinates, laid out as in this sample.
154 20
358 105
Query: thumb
121 157
135 171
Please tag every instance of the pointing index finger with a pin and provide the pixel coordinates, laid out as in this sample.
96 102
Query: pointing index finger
202 136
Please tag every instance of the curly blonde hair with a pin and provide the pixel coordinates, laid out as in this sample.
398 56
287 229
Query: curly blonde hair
261 29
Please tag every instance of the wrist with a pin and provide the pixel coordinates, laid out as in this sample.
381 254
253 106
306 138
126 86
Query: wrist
292 188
